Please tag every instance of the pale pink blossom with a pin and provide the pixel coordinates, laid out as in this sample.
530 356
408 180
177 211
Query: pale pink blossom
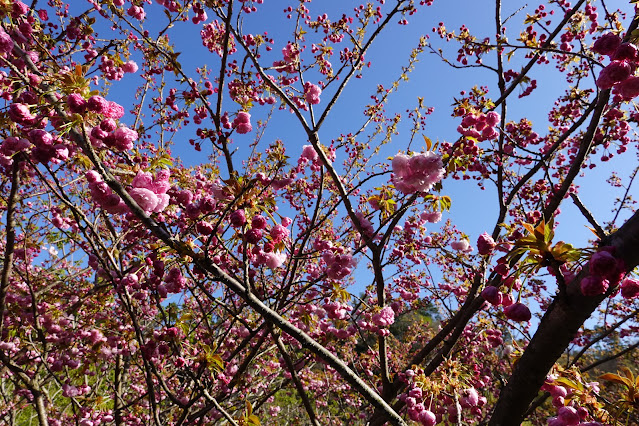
145 198
418 172
275 260
461 245
130 67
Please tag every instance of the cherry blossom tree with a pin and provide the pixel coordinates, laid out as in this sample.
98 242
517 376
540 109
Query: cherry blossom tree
201 225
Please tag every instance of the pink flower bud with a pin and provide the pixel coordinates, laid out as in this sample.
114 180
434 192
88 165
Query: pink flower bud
568 415
492 295
518 312
237 218
427 418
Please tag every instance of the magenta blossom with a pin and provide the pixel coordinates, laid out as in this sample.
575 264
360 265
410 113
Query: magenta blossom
629 288
629 88
485 244
615 72
6 43
607 44
594 285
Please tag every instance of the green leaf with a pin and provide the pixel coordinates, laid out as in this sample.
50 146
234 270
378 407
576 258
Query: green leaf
569 383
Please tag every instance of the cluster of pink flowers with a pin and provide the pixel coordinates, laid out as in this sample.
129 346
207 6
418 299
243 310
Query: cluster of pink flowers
481 126
308 154
113 72
416 401
78 105
242 122
271 259
619 73
136 12
213 35
431 217
339 264
515 311
149 193
312 93
604 269
291 56
417 412
263 254
11 146
103 195
200 13
569 412
45 148
174 282
418 172
336 310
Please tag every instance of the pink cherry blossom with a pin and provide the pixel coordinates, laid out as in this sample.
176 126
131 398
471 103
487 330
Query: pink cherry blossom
242 122
385 317
312 93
